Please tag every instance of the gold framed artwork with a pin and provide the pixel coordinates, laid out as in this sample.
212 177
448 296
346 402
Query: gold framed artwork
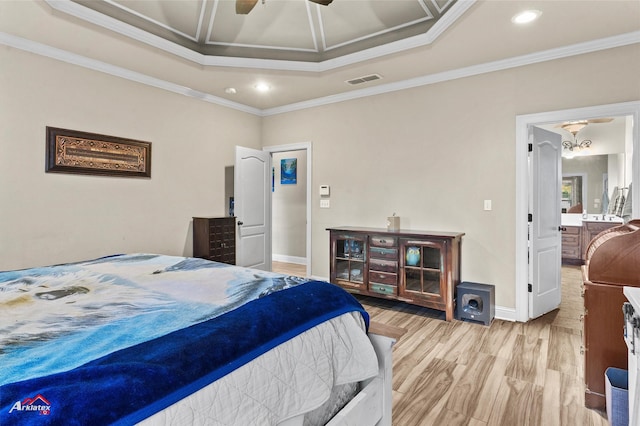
71 151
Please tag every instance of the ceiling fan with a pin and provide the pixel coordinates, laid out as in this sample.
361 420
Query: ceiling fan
243 7
574 127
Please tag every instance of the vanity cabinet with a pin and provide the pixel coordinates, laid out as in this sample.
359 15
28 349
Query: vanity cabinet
572 244
576 239
417 267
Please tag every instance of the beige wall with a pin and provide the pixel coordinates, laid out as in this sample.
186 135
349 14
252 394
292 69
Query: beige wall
432 154
48 218
289 209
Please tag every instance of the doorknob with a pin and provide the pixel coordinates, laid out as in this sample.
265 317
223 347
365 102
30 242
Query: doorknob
240 223
562 228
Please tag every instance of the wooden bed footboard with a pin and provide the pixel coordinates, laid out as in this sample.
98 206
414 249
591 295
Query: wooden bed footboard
372 405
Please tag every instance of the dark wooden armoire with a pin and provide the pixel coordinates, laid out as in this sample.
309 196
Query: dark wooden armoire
612 262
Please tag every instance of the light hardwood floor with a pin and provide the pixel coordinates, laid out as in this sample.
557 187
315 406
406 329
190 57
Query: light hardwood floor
289 268
462 373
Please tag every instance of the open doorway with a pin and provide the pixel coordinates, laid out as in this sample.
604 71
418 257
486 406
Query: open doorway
291 207
523 124
592 151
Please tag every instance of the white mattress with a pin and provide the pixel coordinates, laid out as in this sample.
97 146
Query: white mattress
293 378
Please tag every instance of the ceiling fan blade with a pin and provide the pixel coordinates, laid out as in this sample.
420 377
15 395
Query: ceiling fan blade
243 7
322 2
600 120
573 122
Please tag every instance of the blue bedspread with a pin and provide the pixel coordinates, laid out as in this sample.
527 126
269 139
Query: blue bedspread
154 361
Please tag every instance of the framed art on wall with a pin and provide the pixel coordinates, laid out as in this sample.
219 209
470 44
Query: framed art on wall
288 171
71 151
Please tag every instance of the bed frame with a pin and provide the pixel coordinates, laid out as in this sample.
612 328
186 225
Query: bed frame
372 405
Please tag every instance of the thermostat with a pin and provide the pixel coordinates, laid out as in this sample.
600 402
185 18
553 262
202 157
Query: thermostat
324 189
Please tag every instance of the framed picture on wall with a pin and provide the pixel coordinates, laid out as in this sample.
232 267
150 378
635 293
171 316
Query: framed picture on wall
72 151
288 171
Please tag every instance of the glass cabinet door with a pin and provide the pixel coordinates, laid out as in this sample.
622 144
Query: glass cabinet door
422 268
350 260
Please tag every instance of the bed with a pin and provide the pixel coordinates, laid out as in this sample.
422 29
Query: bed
155 339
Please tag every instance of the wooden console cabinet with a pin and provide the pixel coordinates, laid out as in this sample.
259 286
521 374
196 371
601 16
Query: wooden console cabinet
417 267
214 238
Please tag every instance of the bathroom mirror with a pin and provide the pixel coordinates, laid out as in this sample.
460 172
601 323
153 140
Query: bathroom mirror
590 175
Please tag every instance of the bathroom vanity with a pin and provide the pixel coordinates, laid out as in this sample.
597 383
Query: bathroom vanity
578 232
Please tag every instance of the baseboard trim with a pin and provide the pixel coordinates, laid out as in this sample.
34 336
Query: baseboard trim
506 314
289 259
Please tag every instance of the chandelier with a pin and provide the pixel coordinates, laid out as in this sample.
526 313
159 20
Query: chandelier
573 147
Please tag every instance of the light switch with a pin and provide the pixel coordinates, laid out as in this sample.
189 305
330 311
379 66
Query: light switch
324 203
487 204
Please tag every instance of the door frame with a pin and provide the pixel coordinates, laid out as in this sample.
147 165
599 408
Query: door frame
306 146
522 181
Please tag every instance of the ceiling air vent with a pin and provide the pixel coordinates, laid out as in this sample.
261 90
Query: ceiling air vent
364 79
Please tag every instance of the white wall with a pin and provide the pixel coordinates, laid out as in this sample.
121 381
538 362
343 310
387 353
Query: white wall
48 218
433 154
616 172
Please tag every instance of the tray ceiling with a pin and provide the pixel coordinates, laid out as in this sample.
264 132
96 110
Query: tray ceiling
161 46
291 30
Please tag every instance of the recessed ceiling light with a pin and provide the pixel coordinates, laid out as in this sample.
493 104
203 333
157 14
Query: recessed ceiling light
230 90
526 16
262 87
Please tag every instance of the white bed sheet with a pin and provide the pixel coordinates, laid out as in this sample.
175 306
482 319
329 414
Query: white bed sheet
291 379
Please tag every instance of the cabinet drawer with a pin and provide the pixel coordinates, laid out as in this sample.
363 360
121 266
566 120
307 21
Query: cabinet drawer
383 253
383 265
383 277
571 230
383 241
571 252
391 290
571 239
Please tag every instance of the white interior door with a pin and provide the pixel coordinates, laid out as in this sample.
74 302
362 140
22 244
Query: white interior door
252 204
545 235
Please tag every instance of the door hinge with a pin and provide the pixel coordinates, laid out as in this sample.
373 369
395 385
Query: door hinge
530 288
529 217
530 147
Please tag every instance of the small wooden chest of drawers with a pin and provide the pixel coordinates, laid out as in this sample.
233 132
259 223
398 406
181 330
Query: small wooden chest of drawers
214 238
